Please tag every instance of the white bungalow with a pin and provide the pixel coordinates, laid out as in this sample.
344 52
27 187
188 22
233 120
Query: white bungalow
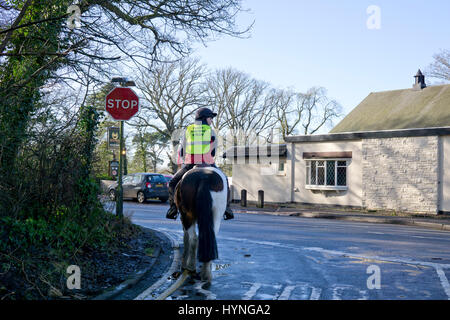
392 152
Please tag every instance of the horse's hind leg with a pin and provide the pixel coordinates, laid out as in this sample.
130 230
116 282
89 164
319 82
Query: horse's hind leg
185 250
190 241
205 273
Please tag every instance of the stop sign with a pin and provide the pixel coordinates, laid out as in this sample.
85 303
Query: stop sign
122 103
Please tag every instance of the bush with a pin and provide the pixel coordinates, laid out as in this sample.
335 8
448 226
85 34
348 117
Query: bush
53 214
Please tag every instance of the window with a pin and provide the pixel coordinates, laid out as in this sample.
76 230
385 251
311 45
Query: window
156 179
320 172
331 173
127 179
281 166
137 179
341 177
326 174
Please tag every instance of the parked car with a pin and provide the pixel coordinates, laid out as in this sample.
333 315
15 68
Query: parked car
168 177
142 186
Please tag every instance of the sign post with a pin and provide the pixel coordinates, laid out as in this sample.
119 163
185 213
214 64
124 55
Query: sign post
122 104
119 204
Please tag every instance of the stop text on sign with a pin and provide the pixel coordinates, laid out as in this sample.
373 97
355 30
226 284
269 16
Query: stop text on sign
122 103
118 103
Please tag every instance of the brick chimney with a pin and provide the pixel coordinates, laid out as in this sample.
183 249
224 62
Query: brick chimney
420 81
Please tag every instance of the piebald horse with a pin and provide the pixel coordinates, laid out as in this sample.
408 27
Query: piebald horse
201 198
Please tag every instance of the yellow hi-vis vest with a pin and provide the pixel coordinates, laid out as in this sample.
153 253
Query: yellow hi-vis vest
198 139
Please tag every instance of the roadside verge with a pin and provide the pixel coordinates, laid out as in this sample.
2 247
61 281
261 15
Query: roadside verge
161 253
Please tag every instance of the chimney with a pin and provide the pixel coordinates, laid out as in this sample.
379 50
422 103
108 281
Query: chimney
420 81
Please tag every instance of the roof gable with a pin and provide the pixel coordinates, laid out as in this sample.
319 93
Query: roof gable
399 109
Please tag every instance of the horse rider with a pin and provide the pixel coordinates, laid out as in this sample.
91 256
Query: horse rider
198 146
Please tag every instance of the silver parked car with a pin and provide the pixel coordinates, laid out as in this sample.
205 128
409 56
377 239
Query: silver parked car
142 186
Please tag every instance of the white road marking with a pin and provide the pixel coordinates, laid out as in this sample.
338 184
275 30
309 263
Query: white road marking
437 266
338 291
444 281
315 294
286 293
432 238
251 293
305 288
342 288
389 259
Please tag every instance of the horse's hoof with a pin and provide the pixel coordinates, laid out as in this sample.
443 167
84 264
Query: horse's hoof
206 278
195 276
175 275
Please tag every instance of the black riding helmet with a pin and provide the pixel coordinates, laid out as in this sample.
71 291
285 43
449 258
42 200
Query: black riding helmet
204 113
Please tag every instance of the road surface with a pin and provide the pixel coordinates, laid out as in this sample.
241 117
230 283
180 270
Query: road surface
266 257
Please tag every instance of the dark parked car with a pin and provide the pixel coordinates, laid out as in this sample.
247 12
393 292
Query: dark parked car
142 186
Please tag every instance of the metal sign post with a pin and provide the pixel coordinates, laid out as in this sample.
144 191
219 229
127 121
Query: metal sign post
122 103
119 204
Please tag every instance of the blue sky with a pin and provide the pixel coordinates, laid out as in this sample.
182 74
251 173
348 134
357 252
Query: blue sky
301 44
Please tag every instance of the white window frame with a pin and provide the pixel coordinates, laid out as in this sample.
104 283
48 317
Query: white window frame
316 186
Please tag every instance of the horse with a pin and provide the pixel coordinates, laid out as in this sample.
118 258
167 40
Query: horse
201 198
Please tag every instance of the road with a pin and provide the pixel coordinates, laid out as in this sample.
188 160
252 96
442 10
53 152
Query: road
266 257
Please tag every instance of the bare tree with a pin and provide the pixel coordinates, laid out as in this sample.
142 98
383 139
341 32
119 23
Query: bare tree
38 47
311 110
131 25
440 68
287 113
242 103
172 91
320 110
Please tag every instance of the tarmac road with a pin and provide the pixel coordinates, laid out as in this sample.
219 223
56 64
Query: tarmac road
266 257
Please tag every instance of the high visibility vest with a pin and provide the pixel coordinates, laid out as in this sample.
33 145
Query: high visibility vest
198 139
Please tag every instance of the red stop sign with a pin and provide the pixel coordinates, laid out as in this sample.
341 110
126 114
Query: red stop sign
122 103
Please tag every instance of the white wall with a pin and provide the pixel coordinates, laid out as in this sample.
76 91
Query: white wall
444 173
415 153
350 197
401 173
266 177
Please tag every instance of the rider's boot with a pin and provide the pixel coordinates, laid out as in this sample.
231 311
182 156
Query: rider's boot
172 213
228 213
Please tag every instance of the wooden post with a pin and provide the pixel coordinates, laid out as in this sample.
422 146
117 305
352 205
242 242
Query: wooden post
243 198
260 203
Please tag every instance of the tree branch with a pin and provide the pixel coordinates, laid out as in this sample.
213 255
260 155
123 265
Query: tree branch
16 22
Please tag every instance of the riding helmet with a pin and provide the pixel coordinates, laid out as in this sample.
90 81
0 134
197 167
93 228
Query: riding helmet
204 113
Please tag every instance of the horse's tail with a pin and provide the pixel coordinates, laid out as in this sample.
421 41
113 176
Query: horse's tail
207 246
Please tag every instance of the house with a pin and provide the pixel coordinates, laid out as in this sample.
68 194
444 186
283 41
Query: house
392 152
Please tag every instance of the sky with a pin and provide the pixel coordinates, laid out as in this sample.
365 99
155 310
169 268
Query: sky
338 45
